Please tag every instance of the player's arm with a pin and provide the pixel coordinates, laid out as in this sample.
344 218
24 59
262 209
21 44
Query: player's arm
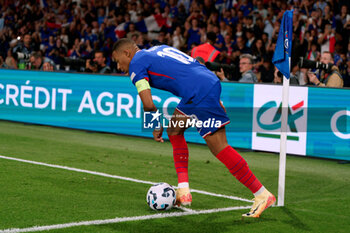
144 91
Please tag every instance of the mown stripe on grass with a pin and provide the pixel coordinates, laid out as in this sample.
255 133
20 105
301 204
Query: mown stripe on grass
117 177
118 220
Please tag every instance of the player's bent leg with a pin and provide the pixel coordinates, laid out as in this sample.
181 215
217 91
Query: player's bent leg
217 141
180 153
238 167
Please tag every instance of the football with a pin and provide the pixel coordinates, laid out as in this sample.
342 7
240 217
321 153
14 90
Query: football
161 196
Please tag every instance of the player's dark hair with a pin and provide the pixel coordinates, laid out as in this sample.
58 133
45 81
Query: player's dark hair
122 42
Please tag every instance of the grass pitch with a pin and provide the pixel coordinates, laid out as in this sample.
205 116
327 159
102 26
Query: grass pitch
317 191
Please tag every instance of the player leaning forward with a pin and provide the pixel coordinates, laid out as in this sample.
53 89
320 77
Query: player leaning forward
169 69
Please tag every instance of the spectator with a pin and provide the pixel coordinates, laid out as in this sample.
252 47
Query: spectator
228 18
260 8
38 62
2 63
23 50
88 35
132 10
328 78
142 43
260 26
239 30
98 64
265 39
278 78
226 52
59 52
313 54
74 52
195 14
64 36
36 41
269 25
343 16
10 61
174 11
343 69
239 48
132 31
223 28
245 67
258 51
49 47
320 4
265 71
192 33
248 23
26 47
219 41
250 38
177 40
327 39
213 18
328 17
207 51
185 4
182 14
86 49
246 7
87 26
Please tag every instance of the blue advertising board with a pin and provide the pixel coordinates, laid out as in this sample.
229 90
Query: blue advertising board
328 133
110 103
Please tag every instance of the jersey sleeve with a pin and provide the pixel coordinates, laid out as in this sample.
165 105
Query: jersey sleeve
138 71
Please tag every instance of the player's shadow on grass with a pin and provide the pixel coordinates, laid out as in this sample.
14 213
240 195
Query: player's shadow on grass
290 219
294 221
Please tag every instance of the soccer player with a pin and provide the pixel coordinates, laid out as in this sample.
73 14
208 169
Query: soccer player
169 69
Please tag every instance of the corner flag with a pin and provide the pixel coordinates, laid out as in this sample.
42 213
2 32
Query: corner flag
283 49
281 59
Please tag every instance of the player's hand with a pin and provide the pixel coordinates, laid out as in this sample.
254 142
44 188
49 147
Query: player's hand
157 134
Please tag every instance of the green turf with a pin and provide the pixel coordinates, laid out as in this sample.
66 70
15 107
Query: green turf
317 191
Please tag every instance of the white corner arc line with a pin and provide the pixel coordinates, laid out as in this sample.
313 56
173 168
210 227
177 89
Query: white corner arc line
117 220
116 177
77 170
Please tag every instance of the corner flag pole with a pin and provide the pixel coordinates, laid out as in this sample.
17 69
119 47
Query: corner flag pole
282 60
283 141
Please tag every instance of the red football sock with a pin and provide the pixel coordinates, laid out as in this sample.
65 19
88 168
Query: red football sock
180 153
239 168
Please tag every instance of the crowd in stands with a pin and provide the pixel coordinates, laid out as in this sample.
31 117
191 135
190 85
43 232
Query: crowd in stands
66 34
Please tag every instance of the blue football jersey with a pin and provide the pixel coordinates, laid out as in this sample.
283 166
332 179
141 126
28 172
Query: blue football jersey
169 69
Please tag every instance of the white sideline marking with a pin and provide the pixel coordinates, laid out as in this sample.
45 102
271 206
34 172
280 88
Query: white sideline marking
117 220
117 177
184 209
